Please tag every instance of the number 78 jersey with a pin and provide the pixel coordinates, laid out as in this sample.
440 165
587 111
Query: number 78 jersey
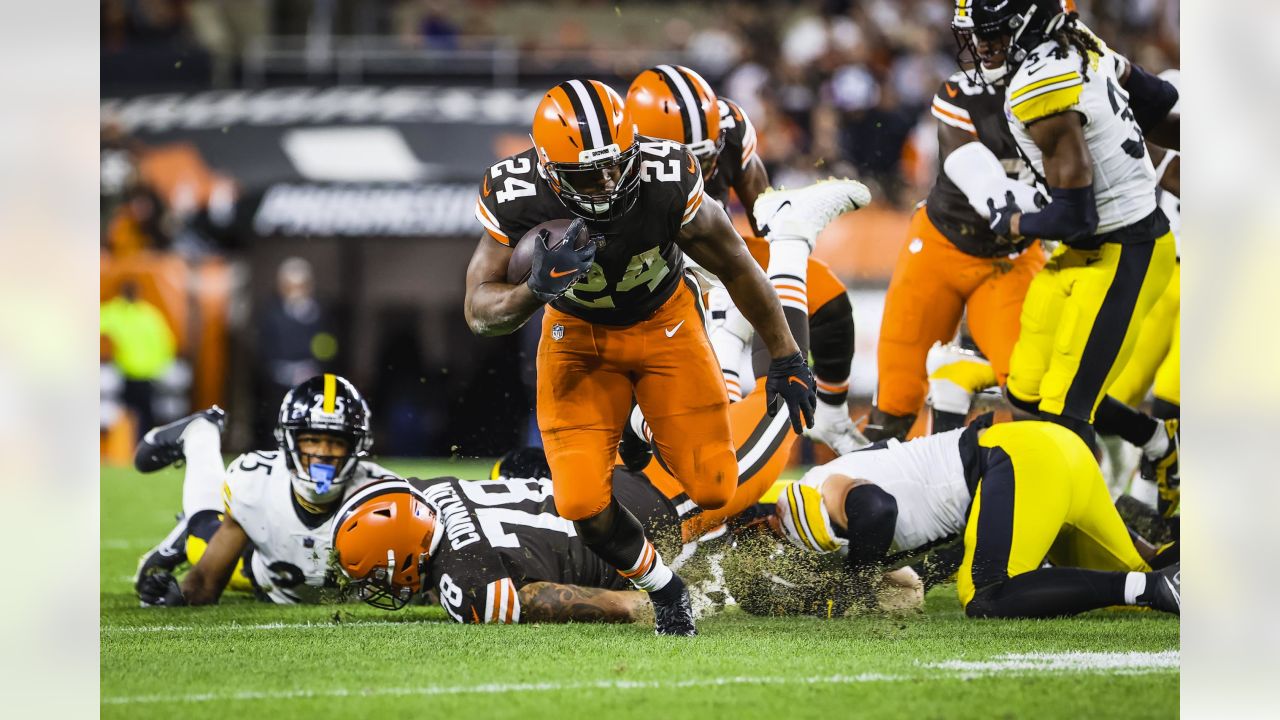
638 264
1050 82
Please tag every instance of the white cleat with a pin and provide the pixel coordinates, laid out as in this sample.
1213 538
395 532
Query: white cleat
804 212
833 427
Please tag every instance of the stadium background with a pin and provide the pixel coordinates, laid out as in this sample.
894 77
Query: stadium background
239 134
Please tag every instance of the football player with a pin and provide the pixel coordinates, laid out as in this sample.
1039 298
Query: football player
1072 119
264 522
1012 494
622 320
493 551
673 102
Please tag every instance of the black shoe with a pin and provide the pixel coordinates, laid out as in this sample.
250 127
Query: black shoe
166 557
1144 520
1164 589
1163 471
162 446
634 450
674 618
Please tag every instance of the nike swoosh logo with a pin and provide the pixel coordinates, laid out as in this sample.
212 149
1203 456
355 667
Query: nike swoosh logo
693 165
798 381
951 92
561 273
673 330
486 186
1036 69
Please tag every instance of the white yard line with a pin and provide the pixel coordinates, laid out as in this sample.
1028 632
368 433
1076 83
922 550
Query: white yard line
1009 665
501 688
107 629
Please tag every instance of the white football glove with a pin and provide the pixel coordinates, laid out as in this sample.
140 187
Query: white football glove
833 428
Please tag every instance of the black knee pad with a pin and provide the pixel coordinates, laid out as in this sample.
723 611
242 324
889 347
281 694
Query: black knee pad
204 524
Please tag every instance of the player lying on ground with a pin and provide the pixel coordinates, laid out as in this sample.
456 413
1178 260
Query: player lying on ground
1015 494
493 551
263 523
673 102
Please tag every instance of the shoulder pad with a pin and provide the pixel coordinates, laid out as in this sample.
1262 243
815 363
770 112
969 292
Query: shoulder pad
1048 82
740 129
505 185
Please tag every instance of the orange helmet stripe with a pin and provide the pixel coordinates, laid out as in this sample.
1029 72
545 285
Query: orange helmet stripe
688 96
595 125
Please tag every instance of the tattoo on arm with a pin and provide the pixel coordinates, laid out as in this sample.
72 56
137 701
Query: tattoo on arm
553 602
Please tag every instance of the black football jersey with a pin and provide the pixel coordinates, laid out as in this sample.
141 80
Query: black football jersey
500 535
739 148
638 264
978 110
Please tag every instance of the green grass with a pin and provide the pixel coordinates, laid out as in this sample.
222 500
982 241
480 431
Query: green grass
245 659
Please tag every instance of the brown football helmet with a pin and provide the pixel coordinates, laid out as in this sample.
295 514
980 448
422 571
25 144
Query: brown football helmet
383 536
587 154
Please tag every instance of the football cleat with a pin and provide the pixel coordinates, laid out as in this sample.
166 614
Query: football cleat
162 445
166 557
833 427
1164 589
1163 471
805 211
674 618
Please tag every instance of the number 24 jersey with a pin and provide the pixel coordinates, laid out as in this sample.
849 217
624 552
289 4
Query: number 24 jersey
638 264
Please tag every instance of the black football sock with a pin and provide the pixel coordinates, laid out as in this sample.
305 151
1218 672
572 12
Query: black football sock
883 426
618 538
1052 592
831 340
944 421
1115 418
1165 410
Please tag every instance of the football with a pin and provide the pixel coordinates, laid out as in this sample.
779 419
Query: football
521 263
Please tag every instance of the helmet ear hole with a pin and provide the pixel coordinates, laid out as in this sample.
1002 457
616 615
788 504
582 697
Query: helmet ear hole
383 512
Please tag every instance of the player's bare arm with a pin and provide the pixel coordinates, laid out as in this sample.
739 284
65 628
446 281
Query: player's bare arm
748 185
1068 171
494 306
710 239
203 585
557 603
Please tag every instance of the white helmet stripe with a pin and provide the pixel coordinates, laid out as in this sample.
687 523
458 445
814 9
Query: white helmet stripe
688 99
588 111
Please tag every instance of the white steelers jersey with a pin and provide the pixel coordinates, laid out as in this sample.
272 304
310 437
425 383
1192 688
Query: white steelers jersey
924 475
1050 82
290 561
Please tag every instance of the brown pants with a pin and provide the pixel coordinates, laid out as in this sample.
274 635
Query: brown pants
587 375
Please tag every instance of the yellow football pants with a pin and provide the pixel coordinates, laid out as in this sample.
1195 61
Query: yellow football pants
239 581
1156 363
1080 322
1040 495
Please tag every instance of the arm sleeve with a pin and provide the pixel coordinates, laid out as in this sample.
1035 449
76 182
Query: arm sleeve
1070 216
978 173
1151 98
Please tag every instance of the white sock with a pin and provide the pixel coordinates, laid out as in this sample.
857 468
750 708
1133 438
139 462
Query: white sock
648 573
789 270
1158 445
1135 584
202 485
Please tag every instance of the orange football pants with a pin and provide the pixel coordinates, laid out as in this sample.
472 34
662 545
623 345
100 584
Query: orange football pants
823 285
933 282
587 374
763 448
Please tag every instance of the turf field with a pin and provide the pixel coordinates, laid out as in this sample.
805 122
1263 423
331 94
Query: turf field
246 659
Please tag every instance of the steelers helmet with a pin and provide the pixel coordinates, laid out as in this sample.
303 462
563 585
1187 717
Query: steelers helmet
325 404
588 156
672 102
1023 24
383 537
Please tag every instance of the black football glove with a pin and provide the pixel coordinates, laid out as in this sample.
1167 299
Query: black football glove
1002 216
160 590
791 378
555 271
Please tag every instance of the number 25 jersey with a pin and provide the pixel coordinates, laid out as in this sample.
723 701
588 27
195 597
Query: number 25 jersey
638 264
1049 82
